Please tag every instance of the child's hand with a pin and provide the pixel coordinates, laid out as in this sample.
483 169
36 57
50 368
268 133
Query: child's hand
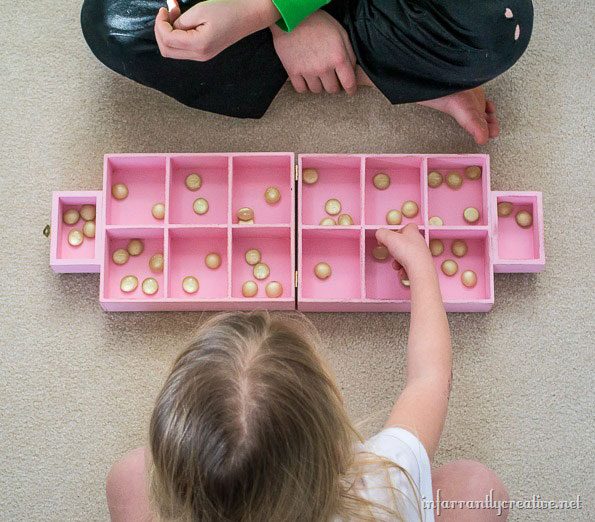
317 55
208 28
408 248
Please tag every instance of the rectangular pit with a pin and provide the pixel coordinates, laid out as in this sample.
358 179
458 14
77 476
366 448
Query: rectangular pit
339 177
144 176
518 249
477 259
340 248
406 174
111 275
188 248
449 204
252 174
276 248
214 172
87 256
382 281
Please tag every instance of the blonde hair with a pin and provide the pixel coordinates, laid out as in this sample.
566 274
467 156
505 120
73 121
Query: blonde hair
250 426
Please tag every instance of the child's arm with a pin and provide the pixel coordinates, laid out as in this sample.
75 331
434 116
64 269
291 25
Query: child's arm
422 406
209 27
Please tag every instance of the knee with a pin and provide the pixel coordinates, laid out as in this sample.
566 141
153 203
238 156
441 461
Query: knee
123 479
477 479
113 32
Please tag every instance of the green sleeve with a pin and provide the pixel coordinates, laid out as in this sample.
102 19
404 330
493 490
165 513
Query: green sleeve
294 11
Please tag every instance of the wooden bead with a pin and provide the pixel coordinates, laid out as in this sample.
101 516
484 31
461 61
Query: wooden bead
252 256
449 267
309 176
435 179
156 263
524 219
119 191
71 216
200 206
454 180
120 256
193 182
135 247
410 209
89 229
436 221
158 211
459 248
471 215
261 271
150 286
381 181
272 195
345 220
128 283
245 214
469 278
327 222
213 260
332 207
380 252
394 217
75 237
504 208
249 289
322 270
274 289
246 222
405 281
473 172
190 284
436 247
88 212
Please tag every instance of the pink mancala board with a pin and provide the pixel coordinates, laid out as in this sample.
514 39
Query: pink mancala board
291 244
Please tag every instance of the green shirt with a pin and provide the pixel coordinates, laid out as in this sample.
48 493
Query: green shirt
294 11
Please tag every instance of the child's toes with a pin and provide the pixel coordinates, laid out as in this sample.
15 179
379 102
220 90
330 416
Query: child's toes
493 125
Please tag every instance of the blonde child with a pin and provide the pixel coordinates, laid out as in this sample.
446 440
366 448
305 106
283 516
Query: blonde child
250 426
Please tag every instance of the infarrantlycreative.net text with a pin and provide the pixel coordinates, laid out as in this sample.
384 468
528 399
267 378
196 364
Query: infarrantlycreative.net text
439 504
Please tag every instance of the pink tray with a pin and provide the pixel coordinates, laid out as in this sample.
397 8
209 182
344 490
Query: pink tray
231 181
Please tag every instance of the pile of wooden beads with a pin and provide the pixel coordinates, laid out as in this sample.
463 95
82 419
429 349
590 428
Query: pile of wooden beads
245 215
523 218
409 208
72 216
120 192
200 206
333 208
450 267
260 271
454 180
190 283
129 283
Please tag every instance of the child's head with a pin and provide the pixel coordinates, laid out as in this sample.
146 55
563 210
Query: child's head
250 426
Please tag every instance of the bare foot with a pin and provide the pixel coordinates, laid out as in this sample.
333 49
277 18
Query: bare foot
472 111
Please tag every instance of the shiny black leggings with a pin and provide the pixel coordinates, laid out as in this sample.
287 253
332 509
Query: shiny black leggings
413 50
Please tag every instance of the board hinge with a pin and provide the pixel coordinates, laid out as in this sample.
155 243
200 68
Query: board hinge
295 279
296 171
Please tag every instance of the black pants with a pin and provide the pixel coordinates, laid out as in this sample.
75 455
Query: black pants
413 50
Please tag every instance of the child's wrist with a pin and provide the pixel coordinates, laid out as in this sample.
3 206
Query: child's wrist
262 13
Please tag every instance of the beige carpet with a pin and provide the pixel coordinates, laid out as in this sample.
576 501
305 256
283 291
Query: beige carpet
77 384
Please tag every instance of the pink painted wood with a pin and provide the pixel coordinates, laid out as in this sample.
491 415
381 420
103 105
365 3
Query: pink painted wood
233 180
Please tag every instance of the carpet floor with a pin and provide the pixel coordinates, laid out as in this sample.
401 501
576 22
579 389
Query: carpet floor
77 384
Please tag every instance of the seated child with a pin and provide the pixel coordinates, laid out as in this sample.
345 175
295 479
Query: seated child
233 56
250 426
